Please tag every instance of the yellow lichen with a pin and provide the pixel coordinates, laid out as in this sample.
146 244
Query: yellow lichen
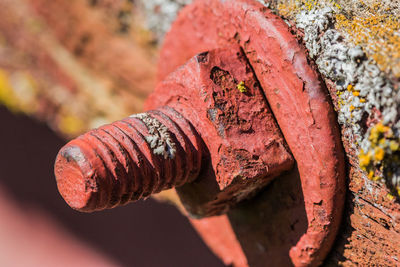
377 132
382 156
371 175
382 141
350 87
365 159
379 154
394 145
376 178
378 33
390 196
290 8
242 87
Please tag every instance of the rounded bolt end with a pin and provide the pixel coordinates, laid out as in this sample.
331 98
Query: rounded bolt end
74 180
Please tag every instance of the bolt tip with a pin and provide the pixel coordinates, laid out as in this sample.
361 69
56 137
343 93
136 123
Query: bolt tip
74 177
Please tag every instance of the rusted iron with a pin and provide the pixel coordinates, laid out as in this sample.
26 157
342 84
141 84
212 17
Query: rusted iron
128 160
299 102
211 133
210 124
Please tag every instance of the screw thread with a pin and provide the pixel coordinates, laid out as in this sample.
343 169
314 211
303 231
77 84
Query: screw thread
128 160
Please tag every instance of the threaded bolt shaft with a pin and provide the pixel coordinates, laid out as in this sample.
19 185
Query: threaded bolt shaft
128 160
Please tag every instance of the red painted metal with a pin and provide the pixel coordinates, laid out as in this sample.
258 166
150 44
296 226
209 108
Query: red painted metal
243 140
115 164
213 126
297 97
210 113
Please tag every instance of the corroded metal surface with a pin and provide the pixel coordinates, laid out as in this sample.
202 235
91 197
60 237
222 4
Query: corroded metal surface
219 94
297 98
128 160
213 99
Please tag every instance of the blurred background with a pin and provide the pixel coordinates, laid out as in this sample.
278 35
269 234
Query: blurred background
67 66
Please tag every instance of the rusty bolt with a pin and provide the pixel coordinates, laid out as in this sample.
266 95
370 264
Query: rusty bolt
128 160
210 134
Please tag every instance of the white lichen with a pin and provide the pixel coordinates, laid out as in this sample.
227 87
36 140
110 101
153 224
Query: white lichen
159 138
362 87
